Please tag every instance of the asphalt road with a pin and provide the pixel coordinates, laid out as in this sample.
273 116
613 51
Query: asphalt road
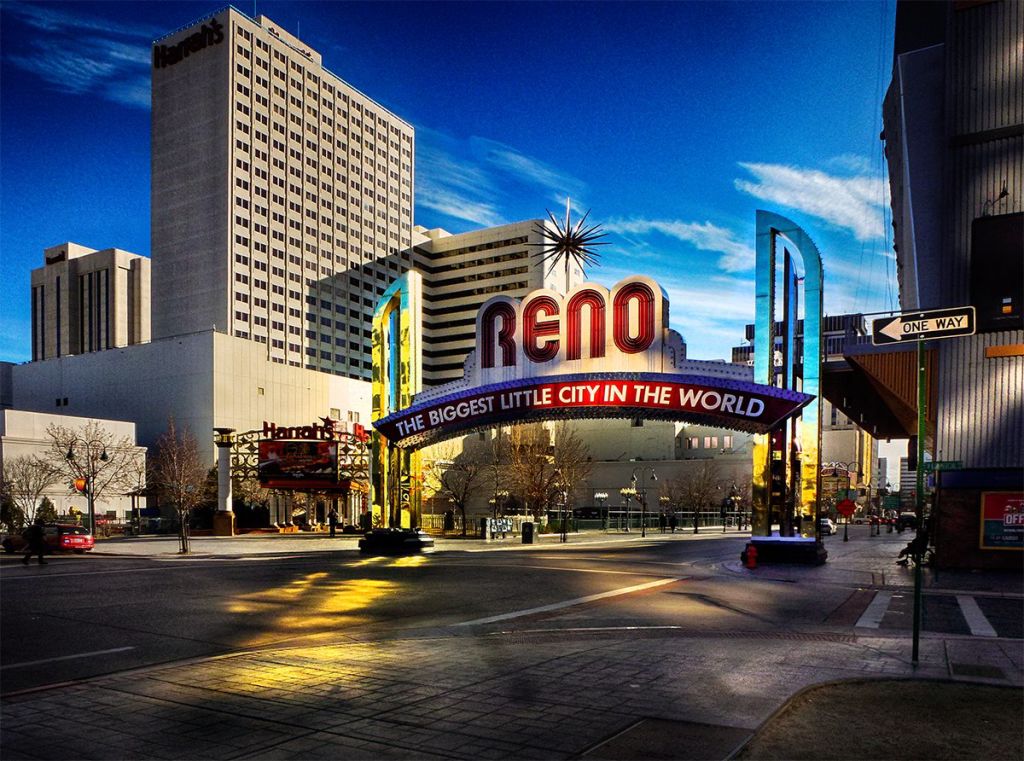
84 616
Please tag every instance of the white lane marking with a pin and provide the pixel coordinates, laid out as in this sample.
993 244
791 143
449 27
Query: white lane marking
65 658
980 627
571 570
872 616
570 603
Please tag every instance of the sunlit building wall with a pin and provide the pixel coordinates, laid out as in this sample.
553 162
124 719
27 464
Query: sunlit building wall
87 300
462 271
281 196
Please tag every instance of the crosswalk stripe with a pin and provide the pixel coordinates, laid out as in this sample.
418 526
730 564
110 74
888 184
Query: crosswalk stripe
872 616
980 627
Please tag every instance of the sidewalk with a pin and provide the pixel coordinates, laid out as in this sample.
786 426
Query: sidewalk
483 692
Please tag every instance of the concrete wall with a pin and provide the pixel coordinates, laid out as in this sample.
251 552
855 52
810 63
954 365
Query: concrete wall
204 380
23 434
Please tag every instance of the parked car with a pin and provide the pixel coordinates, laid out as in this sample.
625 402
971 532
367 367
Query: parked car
59 537
905 521
827 526
395 541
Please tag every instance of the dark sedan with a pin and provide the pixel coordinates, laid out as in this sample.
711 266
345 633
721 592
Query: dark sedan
395 541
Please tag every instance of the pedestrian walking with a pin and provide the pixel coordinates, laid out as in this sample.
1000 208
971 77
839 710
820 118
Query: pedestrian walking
36 538
673 522
662 522
332 519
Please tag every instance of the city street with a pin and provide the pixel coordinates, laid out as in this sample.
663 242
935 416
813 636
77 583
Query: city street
579 641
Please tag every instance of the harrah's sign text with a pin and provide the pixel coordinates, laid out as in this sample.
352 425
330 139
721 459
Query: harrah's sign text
208 34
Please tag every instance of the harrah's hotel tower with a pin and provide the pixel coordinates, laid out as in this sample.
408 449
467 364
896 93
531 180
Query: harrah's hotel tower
282 197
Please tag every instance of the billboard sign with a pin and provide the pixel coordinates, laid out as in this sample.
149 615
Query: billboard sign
298 465
1002 520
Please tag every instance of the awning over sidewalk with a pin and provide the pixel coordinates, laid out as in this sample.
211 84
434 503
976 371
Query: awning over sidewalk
876 387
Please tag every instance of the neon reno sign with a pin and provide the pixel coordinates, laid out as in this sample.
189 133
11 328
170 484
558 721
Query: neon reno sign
593 352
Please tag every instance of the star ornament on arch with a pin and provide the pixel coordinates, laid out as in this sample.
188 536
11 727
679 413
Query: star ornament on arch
568 242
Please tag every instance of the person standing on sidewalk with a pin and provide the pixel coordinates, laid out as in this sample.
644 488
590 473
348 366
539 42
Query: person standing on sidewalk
36 539
332 519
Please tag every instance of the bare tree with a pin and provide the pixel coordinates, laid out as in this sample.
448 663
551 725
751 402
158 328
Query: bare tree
572 462
673 492
702 487
497 467
95 453
179 475
253 494
456 476
532 470
26 479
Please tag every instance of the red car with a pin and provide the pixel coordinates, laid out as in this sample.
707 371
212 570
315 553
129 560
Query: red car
59 537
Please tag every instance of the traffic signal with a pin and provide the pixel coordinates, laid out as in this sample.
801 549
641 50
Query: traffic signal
82 485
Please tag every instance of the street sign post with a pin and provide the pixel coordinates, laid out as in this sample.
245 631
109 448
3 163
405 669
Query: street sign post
847 507
940 465
919 327
922 326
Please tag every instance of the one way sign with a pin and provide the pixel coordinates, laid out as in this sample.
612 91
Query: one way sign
921 326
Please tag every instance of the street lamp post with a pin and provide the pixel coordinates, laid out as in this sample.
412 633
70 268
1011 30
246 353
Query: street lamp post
88 469
600 497
627 492
224 517
643 495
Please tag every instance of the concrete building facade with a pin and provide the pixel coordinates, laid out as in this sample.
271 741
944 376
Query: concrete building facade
273 179
24 434
460 272
205 380
86 300
954 140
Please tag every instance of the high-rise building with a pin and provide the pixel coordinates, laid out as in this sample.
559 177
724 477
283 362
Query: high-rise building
461 272
282 197
86 300
954 140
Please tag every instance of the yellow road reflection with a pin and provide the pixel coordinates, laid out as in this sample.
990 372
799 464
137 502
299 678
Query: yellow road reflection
316 602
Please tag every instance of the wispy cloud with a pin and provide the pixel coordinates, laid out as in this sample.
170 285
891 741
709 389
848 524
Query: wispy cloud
527 170
709 312
83 55
451 185
736 256
473 179
853 203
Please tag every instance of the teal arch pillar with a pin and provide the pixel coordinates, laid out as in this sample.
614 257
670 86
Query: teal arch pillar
790 455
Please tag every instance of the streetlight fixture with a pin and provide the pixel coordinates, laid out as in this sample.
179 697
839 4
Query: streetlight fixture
600 497
643 495
88 469
563 503
627 492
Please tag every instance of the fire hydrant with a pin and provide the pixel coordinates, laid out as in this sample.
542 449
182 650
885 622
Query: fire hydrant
751 556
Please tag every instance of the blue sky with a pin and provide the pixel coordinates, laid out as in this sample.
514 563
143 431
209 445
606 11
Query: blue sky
671 122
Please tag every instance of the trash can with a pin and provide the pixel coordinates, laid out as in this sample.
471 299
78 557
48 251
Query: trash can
528 536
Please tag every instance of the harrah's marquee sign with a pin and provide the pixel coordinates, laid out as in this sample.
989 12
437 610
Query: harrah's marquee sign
592 352
208 34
